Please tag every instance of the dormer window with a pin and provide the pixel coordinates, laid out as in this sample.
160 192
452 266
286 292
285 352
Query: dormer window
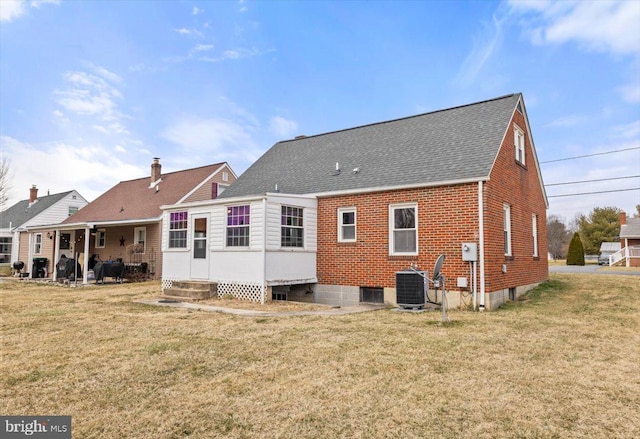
519 145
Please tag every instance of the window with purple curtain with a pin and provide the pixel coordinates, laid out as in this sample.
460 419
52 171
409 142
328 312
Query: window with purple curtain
238 219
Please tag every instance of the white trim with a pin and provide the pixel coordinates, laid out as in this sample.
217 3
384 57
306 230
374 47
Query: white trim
341 211
369 190
135 237
519 144
506 226
534 227
392 208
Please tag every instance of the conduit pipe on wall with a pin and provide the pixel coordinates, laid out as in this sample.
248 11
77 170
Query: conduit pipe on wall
481 239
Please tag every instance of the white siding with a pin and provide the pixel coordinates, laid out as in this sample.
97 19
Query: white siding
218 215
58 212
291 267
273 226
256 233
239 266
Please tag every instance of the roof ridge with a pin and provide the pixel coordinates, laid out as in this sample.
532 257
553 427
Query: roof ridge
45 196
176 172
398 119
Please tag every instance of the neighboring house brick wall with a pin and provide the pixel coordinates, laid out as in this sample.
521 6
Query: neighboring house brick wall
447 217
519 187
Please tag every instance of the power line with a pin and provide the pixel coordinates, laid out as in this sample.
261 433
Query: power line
591 155
598 192
591 181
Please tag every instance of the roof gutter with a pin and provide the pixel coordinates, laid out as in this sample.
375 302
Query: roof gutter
399 187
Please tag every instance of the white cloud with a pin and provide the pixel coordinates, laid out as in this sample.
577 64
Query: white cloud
604 26
234 54
630 92
185 31
568 121
202 48
88 94
282 127
12 9
484 46
196 10
90 177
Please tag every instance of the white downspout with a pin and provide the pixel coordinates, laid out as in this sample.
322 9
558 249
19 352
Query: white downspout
481 236
264 249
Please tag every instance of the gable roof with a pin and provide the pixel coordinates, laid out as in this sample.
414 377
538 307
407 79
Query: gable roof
452 145
136 200
631 229
20 213
610 247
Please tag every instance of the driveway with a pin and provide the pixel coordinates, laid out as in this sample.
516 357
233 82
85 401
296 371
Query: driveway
594 269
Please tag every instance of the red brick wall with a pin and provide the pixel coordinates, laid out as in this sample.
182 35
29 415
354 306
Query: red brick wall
447 217
519 187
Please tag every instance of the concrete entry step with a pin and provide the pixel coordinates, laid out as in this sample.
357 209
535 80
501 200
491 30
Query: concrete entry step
195 290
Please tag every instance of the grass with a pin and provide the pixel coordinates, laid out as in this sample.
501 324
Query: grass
563 362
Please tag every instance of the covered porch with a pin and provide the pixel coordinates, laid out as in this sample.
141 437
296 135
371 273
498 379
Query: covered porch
74 250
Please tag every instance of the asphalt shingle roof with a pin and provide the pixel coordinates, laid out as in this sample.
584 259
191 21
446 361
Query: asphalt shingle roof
459 143
135 200
631 229
21 212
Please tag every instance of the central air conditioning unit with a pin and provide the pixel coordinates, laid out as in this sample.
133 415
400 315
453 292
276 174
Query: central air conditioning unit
411 287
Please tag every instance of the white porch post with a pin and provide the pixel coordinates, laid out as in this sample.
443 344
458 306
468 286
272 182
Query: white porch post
626 252
85 262
56 254
30 255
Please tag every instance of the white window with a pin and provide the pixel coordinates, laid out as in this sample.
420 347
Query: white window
178 230
403 229
292 230
347 224
507 229
519 143
534 226
140 238
101 238
73 209
37 245
225 176
238 221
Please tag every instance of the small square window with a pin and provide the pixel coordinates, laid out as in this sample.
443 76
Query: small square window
347 224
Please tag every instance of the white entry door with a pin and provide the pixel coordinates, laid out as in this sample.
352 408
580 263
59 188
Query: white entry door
68 244
199 247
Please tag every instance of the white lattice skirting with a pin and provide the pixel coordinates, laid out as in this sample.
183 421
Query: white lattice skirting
252 292
167 283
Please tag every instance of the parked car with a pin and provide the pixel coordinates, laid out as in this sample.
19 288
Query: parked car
603 259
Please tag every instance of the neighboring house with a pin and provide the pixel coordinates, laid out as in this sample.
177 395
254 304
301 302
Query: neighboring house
629 254
126 221
18 245
606 250
333 217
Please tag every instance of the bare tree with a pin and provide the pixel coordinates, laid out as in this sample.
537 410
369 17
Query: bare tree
557 237
5 180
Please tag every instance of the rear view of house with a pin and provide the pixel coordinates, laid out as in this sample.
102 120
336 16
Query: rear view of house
334 217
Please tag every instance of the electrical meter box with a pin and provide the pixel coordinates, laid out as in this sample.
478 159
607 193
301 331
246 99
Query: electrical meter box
469 251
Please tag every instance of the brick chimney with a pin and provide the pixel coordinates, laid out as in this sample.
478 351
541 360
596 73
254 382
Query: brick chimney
623 218
33 194
156 169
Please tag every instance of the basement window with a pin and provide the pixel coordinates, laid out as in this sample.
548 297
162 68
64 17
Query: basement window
371 295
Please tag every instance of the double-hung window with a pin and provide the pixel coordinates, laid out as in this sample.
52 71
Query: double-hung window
101 238
347 224
507 229
534 226
238 219
178 230
519 145
403 229
37 245
292 228
140 239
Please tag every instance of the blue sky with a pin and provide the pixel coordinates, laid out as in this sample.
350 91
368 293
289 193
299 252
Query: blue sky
91 91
